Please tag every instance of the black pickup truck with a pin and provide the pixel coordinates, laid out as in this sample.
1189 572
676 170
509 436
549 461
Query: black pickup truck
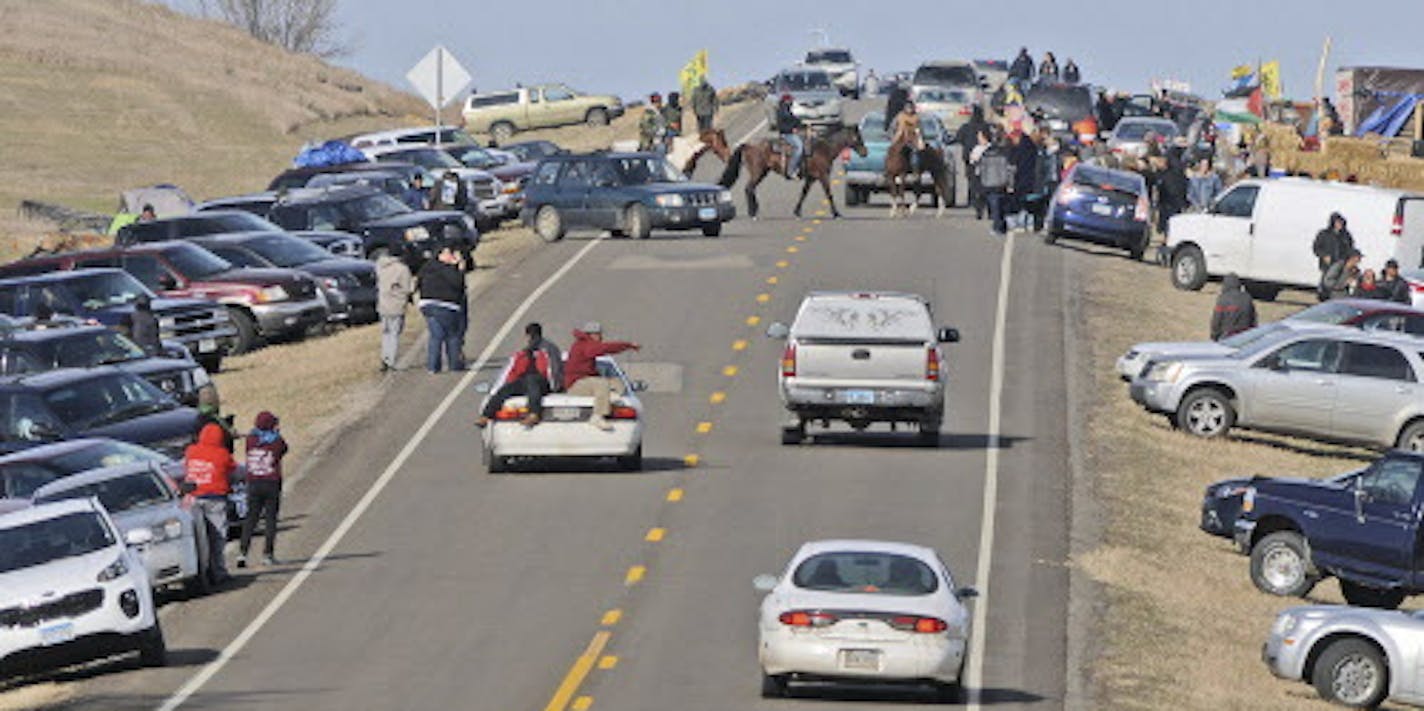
1362 527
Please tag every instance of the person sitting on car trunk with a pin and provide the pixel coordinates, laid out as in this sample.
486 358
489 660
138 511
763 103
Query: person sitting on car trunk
581 375
1234 312
208 468
531 376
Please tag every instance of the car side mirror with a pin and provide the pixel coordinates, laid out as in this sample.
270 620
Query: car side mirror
778 330
949 335
138 536
764 583
640 386
966 593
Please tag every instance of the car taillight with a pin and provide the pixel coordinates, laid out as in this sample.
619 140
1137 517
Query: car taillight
1415 287
807 618
511 413
1143 211
965 111
922 625
623 413
1397 227
932 364
788 362
1067 192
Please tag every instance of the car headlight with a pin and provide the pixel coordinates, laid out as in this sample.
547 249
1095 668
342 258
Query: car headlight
330 282
1285 624
416 234
1164 372
167 322
1248 500
1226 491
272 293
200 377
114 571
673 200
168 530
724 197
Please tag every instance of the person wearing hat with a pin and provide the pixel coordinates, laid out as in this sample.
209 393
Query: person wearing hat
265 450
581 375
652 125
1392 285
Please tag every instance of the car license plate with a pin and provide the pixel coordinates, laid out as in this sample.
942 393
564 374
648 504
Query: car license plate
860 659
860 397
564 414
57 634
207 345
707 214
1103 210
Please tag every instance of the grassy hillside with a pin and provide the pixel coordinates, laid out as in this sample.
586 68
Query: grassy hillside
100 95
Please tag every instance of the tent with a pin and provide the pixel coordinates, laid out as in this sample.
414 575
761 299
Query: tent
1388 119
328 154
167 200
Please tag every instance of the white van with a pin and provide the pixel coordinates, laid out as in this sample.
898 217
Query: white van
1264 231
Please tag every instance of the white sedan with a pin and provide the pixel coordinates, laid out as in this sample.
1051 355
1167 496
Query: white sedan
863 612
566 429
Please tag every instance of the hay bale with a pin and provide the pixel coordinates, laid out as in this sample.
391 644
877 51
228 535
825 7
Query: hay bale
1353 150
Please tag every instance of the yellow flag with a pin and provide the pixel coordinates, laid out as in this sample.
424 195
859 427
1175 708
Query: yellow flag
1271 80
1244 70
693 72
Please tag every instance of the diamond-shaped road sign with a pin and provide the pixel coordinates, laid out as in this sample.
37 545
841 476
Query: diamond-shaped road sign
438 77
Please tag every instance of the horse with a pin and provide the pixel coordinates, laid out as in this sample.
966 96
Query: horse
762 157
898 170
714 141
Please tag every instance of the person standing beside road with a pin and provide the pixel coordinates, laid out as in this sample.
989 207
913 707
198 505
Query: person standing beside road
871 85
1071 75
789 126
1172 189
581 373
1235 311
1333 242
143 326
1204 184
1394 286
394 287
441 285
672 120
651 126
208 470
531 375
1049 173
968 139
265 450
1340 278
996 175
704 105
973 157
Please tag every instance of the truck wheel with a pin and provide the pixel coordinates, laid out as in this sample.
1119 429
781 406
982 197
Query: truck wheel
502 132
1280 565
247 337
633 462
549 223
636 221
1139 247
152 649
597 117
853 196
1411 439
1206 413
793 434
1362 596
1351 672
929 432
713 229
1188 268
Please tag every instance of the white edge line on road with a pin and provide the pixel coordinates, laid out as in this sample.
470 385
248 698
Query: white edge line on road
233 648
974 680
755 130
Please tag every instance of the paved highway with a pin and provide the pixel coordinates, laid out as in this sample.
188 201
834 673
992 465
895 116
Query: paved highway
449 588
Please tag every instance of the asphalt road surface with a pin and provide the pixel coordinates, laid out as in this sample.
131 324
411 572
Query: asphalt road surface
450 588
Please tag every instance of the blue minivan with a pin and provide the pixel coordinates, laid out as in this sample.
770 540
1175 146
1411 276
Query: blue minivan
1102 205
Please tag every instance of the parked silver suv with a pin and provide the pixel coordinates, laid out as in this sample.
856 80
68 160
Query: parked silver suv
1333 384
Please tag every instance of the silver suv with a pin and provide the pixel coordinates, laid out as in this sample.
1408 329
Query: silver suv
1325 383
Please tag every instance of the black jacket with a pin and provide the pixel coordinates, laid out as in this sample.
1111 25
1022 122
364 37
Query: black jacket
1234 312
894 104
143 329
441 282
1022 68
1172 188
1332 244
786 121
1071 74
1024 157
1396 290
968 135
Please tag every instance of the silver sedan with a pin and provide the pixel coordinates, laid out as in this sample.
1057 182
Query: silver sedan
1353 656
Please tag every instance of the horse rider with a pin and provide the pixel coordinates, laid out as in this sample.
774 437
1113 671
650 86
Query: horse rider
790 128
909 136
651 126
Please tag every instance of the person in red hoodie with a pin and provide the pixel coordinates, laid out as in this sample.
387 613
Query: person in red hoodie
581 370
265 450
208 470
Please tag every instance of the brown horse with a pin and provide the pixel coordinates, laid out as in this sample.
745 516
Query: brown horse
898 173
763 157
714 141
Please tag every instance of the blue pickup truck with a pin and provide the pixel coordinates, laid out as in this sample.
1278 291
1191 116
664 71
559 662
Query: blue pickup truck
1362 527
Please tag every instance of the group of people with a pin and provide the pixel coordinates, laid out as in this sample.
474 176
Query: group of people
1012 174
661 121
444 194
439 291
539 368
1340 273
1023 73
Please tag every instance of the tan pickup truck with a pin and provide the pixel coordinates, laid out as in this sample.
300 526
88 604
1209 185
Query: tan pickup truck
542 106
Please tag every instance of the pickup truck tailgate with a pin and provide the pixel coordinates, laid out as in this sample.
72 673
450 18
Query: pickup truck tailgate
861 361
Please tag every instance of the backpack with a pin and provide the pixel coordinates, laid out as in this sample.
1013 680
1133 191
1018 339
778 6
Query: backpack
994 172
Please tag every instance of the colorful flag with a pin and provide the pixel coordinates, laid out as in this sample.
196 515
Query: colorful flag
693 72
1243 70
1271 80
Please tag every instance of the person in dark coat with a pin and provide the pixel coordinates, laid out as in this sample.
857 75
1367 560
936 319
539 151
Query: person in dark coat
1340 278
1048 70
143 328
1333 243
894 104
1071 75
265 450
1023 155
1172 189
1394 286
441 286
1022 68
1234 312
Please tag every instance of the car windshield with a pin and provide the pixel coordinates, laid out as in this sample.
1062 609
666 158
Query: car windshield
372 207
1138 130
803 81
1249 336
427 158
105 400
119 494
647 170
862 319
1108 179
104 289
103 453
946 75
196 263
40 542
828 56
865 573
475 157
1064 102
1267 340
286 251
87 349
1331 312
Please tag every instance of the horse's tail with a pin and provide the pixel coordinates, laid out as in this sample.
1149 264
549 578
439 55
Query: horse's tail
733 169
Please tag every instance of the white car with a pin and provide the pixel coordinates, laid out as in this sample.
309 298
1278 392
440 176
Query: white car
863 612
71 587
566 429
838 63
1131 135
141 496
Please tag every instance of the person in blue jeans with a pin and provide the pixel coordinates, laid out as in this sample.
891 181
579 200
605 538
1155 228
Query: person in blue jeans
442 303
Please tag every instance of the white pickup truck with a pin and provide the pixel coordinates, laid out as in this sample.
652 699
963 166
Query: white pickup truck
863 357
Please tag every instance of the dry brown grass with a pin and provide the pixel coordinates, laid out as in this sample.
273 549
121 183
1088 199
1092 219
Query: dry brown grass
589 138
1183 625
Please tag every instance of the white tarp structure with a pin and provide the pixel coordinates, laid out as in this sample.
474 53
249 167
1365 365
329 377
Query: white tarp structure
167 200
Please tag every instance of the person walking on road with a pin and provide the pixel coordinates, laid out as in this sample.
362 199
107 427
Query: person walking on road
1394 286
394 287
581 375
973 160
1172 189
531 375
208 470
1333 242
1235 311
143 326
265 450
704 105
1340 277
1023 153
996 176
442 292
672 120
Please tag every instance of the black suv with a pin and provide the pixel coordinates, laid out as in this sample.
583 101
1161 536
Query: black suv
377 218
348 284
194 225
39 350
92 402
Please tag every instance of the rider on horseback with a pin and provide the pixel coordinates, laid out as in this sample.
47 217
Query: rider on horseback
908 136
790 127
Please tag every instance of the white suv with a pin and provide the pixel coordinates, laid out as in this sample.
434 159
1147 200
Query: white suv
70 587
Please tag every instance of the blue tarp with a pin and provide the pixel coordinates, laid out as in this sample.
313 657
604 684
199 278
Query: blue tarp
327 154
1387 120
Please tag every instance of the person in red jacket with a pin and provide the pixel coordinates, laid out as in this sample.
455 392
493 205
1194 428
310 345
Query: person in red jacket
208 469
534 374
581 370
265 450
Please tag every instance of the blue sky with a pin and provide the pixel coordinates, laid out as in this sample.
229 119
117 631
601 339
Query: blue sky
635 46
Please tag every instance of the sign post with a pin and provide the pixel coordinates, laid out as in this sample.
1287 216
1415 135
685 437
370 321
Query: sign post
437 77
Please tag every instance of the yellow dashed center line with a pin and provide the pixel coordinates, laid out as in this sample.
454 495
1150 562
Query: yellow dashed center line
635 575
763 298
801 238
793 249
582 703
783 264
717 398
704 427
655 535
753 320
611 618
674 496
690 461
578 672
808 230
608 661
730 371
739 345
